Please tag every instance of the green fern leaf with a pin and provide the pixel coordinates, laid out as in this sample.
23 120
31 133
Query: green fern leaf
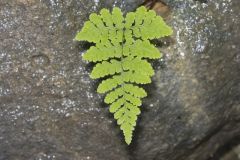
121 50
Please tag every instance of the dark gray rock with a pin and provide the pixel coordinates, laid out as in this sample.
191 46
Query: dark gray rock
48 105
196 101
49 108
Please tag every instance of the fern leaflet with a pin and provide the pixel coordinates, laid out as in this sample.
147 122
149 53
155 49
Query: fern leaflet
120 52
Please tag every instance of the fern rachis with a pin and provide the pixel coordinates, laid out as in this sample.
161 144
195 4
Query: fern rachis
120 52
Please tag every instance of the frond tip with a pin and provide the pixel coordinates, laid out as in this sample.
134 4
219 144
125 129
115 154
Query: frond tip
121 50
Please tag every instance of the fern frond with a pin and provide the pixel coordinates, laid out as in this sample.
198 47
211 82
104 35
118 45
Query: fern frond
109 84
138 65
143 49
135 77
135 90
106 68
120 52
107 51
113 95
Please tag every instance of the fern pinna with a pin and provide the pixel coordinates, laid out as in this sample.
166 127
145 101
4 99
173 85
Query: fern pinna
121 51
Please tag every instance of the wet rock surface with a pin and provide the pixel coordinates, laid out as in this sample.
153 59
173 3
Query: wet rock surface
49 108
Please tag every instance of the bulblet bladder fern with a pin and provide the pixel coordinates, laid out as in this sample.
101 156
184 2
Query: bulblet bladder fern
120 52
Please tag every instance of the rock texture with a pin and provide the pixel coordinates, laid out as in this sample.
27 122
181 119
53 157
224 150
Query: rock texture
195 103
49 109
